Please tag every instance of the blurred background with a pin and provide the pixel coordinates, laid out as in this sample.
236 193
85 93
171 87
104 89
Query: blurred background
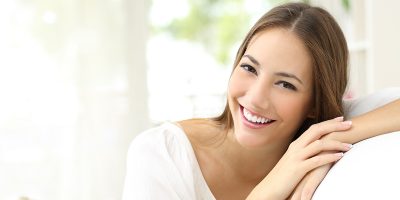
80 78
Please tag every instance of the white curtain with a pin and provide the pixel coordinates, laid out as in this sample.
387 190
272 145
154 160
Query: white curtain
72 96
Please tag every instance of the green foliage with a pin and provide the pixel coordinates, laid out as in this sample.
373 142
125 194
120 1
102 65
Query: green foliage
346 5
217 24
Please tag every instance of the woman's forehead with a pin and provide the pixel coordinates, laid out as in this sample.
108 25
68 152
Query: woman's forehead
281 50
279 45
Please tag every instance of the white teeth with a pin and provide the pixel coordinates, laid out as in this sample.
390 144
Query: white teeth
255 119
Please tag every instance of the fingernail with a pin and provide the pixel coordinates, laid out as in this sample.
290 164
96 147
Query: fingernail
339 119
339 154
347 123
348 146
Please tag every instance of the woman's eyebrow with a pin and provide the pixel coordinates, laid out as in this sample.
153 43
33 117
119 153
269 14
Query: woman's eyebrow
252 59
283 74
287 75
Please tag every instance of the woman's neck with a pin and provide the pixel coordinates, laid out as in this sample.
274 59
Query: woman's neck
217 149
251 164
230 170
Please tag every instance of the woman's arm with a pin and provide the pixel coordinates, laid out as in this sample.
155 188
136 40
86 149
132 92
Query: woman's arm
385 118
382 120
301 157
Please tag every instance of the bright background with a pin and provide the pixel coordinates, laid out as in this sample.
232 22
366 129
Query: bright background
80 78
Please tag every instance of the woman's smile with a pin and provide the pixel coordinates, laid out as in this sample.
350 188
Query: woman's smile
270 90
254 121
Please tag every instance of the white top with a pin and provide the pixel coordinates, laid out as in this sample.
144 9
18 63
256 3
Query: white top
162 165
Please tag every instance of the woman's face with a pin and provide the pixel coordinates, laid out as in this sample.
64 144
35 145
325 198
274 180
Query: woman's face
270 90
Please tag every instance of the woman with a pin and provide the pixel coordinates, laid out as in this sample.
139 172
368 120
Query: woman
281 129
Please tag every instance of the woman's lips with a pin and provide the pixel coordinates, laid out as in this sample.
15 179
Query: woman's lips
254 125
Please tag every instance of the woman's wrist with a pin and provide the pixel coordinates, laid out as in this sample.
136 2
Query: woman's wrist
345 136
263 191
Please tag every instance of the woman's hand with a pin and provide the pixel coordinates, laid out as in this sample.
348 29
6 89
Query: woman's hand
302 156
307 186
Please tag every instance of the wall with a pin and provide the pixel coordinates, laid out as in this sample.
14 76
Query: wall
385 43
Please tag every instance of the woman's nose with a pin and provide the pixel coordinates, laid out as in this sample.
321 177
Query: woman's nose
260 95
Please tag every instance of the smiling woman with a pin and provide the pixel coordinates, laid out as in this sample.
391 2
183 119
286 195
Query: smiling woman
263 85
282 122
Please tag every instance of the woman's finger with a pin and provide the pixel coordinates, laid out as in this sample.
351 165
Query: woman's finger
316 131
319 146
320 160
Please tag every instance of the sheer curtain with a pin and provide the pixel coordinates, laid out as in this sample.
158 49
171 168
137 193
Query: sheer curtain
73 96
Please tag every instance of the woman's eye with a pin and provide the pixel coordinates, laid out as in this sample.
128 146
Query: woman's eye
287 85
249 68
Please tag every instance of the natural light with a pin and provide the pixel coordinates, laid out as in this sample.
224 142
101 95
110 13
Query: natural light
80 79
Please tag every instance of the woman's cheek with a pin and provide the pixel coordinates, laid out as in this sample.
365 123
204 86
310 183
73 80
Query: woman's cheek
237 84
294 107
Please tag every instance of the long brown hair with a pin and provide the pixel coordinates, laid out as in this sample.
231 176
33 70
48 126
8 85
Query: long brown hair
327 46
